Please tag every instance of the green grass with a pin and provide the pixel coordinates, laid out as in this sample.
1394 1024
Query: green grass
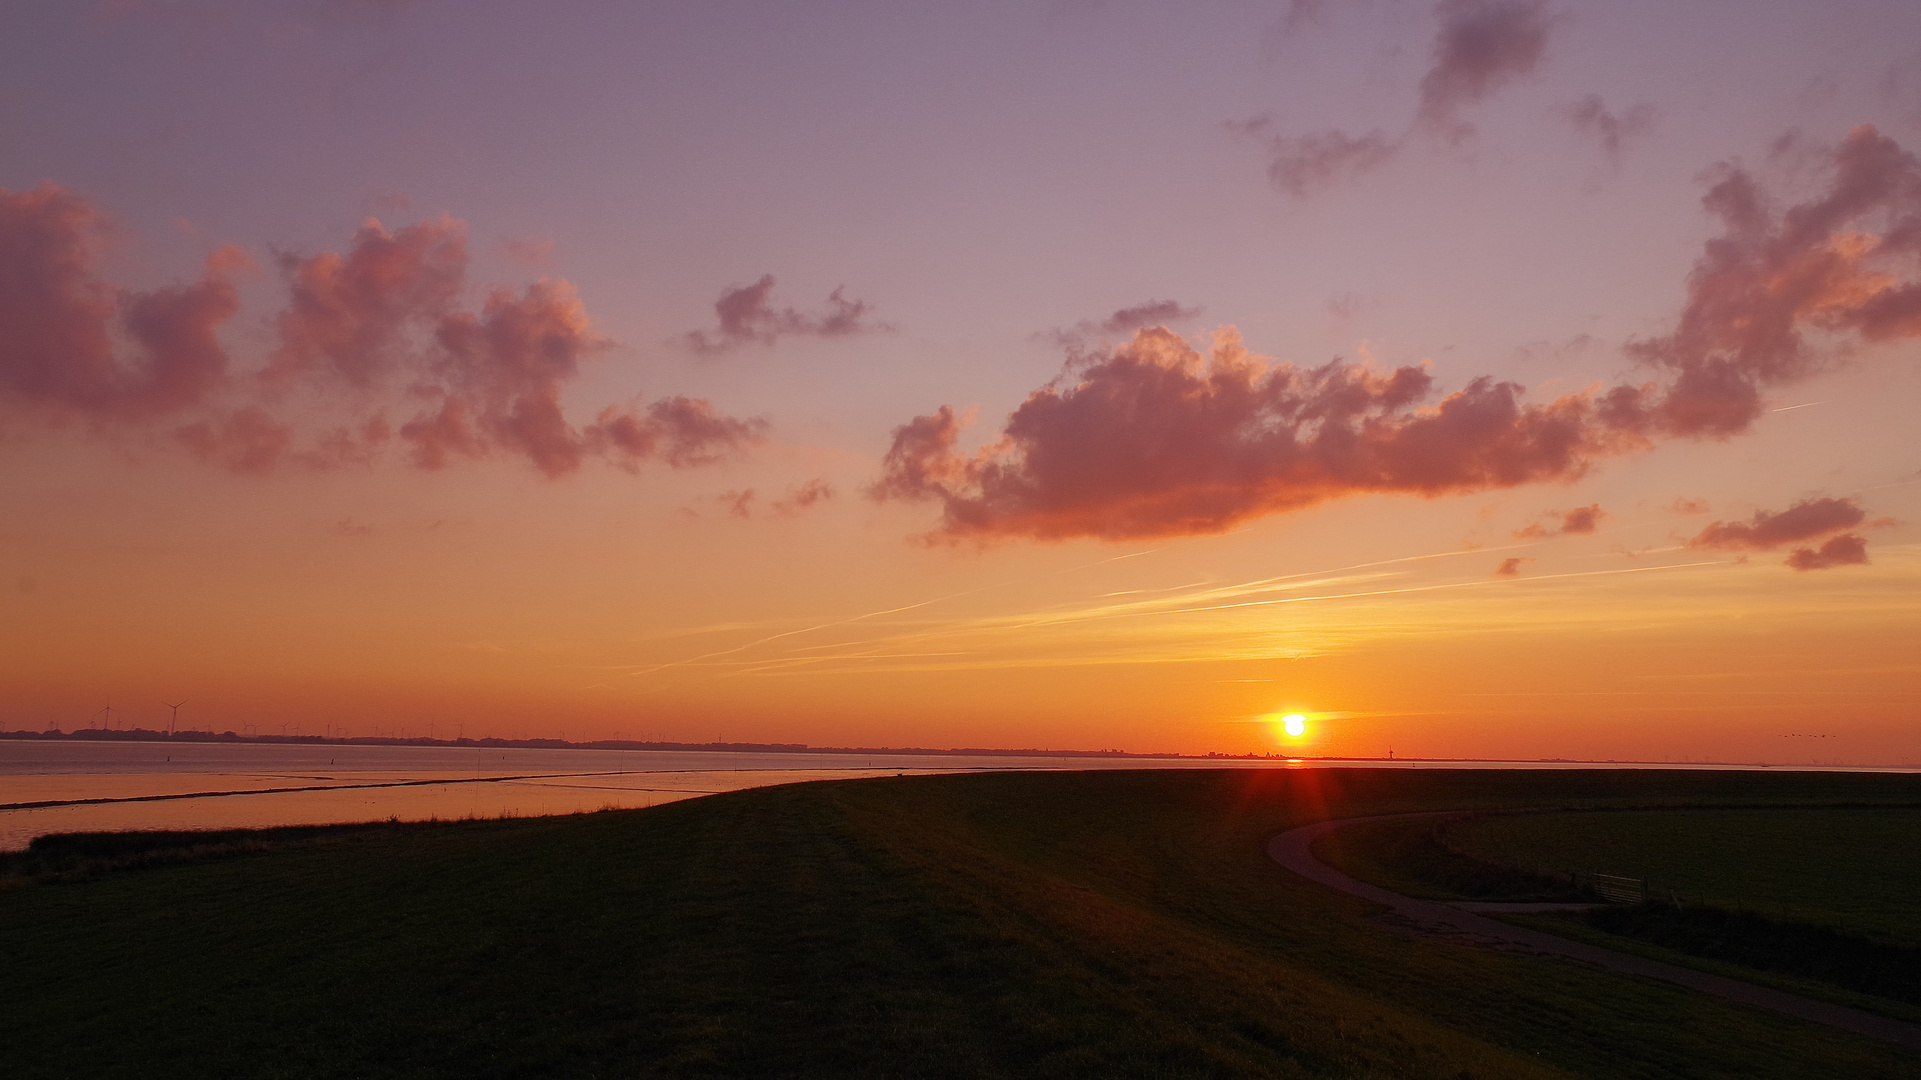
1419 858
1067 924
1848 868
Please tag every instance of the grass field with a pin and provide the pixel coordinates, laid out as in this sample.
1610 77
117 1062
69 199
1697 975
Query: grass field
1852 868
1062 924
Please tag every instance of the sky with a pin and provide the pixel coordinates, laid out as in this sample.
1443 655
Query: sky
1483 378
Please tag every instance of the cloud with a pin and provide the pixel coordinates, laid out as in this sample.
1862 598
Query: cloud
379 328
804 498
1151 438
798 500
1768 529
1778 296
1149 313
1686 505
681 431
347 315
58 319
1159 440
1590 117
1579 521
1312 163
501 375
1482 46
1123 323
1844 550
1510 567
748 317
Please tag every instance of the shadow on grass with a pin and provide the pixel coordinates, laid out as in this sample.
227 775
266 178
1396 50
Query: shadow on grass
68 857
1765 943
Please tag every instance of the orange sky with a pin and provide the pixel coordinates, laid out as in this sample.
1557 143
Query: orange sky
1432 372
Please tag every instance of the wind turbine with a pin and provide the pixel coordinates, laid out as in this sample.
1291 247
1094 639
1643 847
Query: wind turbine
176 716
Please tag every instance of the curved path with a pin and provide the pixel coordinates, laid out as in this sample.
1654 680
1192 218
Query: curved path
1294 850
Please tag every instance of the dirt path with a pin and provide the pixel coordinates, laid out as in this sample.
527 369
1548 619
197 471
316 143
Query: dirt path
1293 850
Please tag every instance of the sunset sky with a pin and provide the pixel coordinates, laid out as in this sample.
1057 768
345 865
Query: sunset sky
1484 378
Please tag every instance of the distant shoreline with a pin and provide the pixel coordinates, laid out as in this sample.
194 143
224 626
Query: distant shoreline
152 736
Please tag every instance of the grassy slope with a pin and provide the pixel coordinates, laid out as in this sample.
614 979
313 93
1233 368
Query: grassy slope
1080 924
1852 868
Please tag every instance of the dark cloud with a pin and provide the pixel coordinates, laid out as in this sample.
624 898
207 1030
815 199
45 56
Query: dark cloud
1579 521
1482 46
1122 323
1312 163
1151 438
1510 567
376 329
1613 132
1769 529
1844 550
1149 313
748 317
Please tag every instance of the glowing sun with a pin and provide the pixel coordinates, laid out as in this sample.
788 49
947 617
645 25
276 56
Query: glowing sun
1294 724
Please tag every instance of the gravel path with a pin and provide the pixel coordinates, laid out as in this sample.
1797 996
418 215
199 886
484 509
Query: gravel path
1293 850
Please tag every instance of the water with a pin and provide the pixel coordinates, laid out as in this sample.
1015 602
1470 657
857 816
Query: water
254 785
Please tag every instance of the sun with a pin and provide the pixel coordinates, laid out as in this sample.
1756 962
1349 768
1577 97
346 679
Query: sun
1294 724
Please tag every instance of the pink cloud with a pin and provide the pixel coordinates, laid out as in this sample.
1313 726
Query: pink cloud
57 319
748 317
1844 550
1775 297
681 431
1158 440
362 331
1510 567
1151 438
347 315
1582 519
